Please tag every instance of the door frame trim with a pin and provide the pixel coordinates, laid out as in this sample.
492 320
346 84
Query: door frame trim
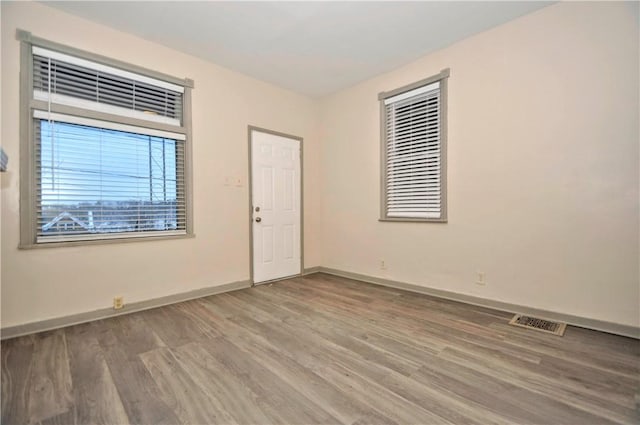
250 129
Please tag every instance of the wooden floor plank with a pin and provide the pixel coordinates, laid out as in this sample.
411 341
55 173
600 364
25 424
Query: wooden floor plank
69 417
175 326
303 379
317 350
139 394
278 399
477 388
96 398
132 334
613 362
333 352
50 381
17 360
578 405
223 385
179 391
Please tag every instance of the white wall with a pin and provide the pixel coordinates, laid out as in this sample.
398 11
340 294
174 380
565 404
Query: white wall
46 283
543 168
543 173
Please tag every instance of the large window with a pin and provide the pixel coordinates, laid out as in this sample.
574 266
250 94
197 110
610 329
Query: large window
105 151
414 151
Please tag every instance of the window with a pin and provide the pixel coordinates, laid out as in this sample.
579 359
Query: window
414 151
105 151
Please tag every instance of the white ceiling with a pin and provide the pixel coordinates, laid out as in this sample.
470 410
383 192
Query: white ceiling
314 48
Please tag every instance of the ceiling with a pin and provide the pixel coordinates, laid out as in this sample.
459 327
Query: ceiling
314 48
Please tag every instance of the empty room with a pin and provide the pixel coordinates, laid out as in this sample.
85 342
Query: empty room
320 212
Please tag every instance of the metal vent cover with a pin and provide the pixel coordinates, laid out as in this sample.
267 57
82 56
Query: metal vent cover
535 323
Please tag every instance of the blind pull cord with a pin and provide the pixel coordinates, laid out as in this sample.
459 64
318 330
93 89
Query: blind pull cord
53 176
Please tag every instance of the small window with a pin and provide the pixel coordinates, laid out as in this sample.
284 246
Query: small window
105 155
414 151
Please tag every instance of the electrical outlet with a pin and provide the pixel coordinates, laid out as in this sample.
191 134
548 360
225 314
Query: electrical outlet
383 265
480 279
118 303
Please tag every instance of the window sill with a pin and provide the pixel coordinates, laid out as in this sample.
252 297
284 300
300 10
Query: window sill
104 241
414 220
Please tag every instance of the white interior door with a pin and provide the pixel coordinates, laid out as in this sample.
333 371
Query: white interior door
276 204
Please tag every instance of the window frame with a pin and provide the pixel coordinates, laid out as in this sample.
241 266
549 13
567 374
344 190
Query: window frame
442 77
28 160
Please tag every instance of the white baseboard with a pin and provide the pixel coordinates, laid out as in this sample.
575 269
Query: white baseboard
103 313
74 319
311 270
583 322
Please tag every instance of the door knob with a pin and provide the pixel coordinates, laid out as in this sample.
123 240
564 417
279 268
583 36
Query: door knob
258 219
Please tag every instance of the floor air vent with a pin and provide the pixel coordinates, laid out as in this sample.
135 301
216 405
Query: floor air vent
529 322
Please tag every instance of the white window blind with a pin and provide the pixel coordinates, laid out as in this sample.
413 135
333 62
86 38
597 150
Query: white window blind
413 154
68 80
99 183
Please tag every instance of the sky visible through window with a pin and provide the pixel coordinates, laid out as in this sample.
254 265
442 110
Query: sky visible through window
95 180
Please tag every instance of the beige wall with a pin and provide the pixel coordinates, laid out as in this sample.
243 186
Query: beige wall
543 168
543 173
46 283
